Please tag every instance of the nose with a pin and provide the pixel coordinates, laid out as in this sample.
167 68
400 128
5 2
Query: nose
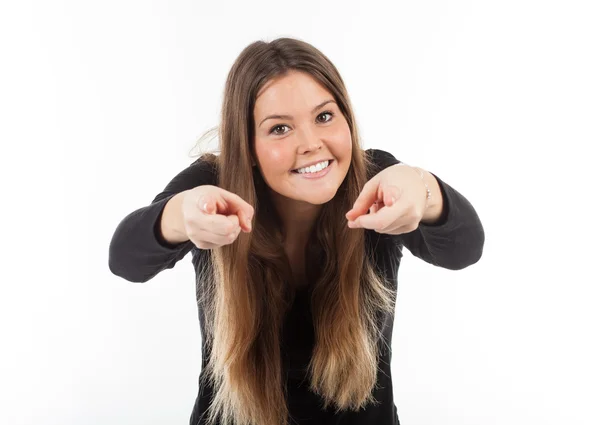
309 142
311 147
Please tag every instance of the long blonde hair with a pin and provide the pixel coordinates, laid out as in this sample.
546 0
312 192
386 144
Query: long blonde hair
245 287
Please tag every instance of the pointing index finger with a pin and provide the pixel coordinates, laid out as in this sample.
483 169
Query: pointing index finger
236 205
365 200
381 219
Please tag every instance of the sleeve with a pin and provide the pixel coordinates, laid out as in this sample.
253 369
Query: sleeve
456 240
137 250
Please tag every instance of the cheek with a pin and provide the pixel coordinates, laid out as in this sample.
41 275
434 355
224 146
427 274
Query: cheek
274 159
342 139
276 155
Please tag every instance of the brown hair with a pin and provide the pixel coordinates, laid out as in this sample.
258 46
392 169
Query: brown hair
245 290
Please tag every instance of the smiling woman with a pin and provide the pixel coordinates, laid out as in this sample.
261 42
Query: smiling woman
313 136
296 312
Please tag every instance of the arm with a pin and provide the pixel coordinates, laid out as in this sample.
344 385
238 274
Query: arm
451 235
171 228
142 244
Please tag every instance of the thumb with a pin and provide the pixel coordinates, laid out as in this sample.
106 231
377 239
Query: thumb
207 204
391 193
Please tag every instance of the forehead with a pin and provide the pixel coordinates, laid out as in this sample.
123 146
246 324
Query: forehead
296 91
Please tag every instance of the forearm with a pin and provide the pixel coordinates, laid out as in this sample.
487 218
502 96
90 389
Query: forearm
171 224
137 250
455 240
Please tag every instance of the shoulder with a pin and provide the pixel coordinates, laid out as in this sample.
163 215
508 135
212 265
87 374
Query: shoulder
379 159
381 156
203 171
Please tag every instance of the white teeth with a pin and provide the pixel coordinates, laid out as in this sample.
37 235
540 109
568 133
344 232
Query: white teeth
313 168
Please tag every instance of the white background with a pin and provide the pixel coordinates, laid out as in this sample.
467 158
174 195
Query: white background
101 102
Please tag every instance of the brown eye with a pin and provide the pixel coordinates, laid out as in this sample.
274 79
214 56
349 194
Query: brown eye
276 132
326 113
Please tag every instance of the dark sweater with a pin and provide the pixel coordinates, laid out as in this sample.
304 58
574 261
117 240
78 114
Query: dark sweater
137 253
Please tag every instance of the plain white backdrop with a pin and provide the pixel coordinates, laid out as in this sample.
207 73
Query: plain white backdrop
101 102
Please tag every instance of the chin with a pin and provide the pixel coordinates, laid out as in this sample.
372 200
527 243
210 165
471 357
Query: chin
317 198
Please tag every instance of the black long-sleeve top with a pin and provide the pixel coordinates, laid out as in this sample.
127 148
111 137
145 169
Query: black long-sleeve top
138 252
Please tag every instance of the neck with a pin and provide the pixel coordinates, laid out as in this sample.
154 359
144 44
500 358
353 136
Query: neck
297 217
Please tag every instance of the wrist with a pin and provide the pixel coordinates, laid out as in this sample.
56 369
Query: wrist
434 208
172 227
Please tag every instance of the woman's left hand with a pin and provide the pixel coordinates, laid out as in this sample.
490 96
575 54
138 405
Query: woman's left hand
396 199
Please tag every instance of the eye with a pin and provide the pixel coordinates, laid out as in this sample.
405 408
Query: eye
272 131
326 113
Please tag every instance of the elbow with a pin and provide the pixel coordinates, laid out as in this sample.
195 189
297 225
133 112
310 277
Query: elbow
465 261
125 271
469 255
123 266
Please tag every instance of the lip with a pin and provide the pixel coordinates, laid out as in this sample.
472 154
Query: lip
314 163
310 176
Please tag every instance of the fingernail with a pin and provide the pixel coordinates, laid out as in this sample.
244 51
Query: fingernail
203 204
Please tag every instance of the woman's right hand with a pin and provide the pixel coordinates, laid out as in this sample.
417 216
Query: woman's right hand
214 217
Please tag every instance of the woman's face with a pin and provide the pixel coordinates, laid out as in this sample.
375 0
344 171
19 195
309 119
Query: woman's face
307 131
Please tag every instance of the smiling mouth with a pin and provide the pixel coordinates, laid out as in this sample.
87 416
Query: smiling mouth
329 162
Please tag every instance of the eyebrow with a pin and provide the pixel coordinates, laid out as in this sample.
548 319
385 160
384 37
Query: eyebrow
289 117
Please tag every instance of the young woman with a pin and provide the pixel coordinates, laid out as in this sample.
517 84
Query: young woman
296 236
